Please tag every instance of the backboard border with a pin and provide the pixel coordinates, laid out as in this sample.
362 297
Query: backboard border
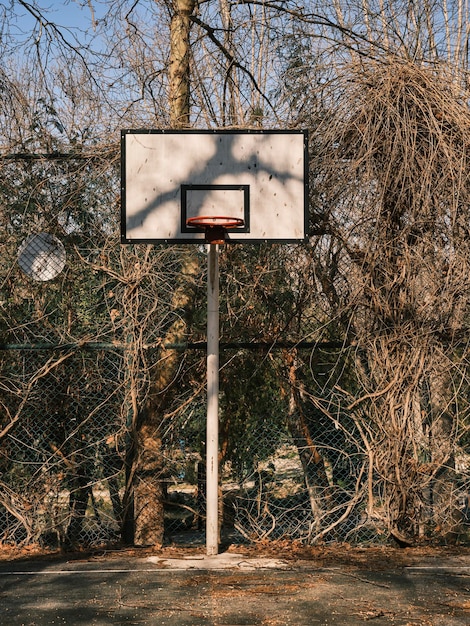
246 195
196 239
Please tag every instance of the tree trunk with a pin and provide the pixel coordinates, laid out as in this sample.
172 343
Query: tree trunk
144 499
179 71
316 480
147 481
78 503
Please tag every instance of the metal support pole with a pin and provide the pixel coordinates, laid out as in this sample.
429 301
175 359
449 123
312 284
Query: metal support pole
212 424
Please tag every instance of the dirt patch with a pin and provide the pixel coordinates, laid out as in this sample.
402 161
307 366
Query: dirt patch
376 558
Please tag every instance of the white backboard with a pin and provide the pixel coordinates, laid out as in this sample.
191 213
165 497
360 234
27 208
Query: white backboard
170 176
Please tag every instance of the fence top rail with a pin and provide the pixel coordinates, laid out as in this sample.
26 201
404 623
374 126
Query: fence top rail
196 345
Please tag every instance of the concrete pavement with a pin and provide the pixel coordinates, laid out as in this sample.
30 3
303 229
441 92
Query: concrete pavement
232 589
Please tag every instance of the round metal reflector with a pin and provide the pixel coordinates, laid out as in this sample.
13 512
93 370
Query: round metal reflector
42 256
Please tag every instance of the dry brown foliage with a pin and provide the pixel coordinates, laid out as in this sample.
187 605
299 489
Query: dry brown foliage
394 261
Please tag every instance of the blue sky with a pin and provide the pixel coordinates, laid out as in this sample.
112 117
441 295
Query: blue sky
65 13
75 19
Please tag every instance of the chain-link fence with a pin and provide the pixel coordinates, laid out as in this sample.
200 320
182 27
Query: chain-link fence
102 370
62 447
65 446
65 451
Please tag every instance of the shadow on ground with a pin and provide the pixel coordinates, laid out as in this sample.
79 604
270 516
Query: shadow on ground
269 585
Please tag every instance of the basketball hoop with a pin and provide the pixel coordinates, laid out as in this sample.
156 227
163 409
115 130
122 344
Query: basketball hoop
215 226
